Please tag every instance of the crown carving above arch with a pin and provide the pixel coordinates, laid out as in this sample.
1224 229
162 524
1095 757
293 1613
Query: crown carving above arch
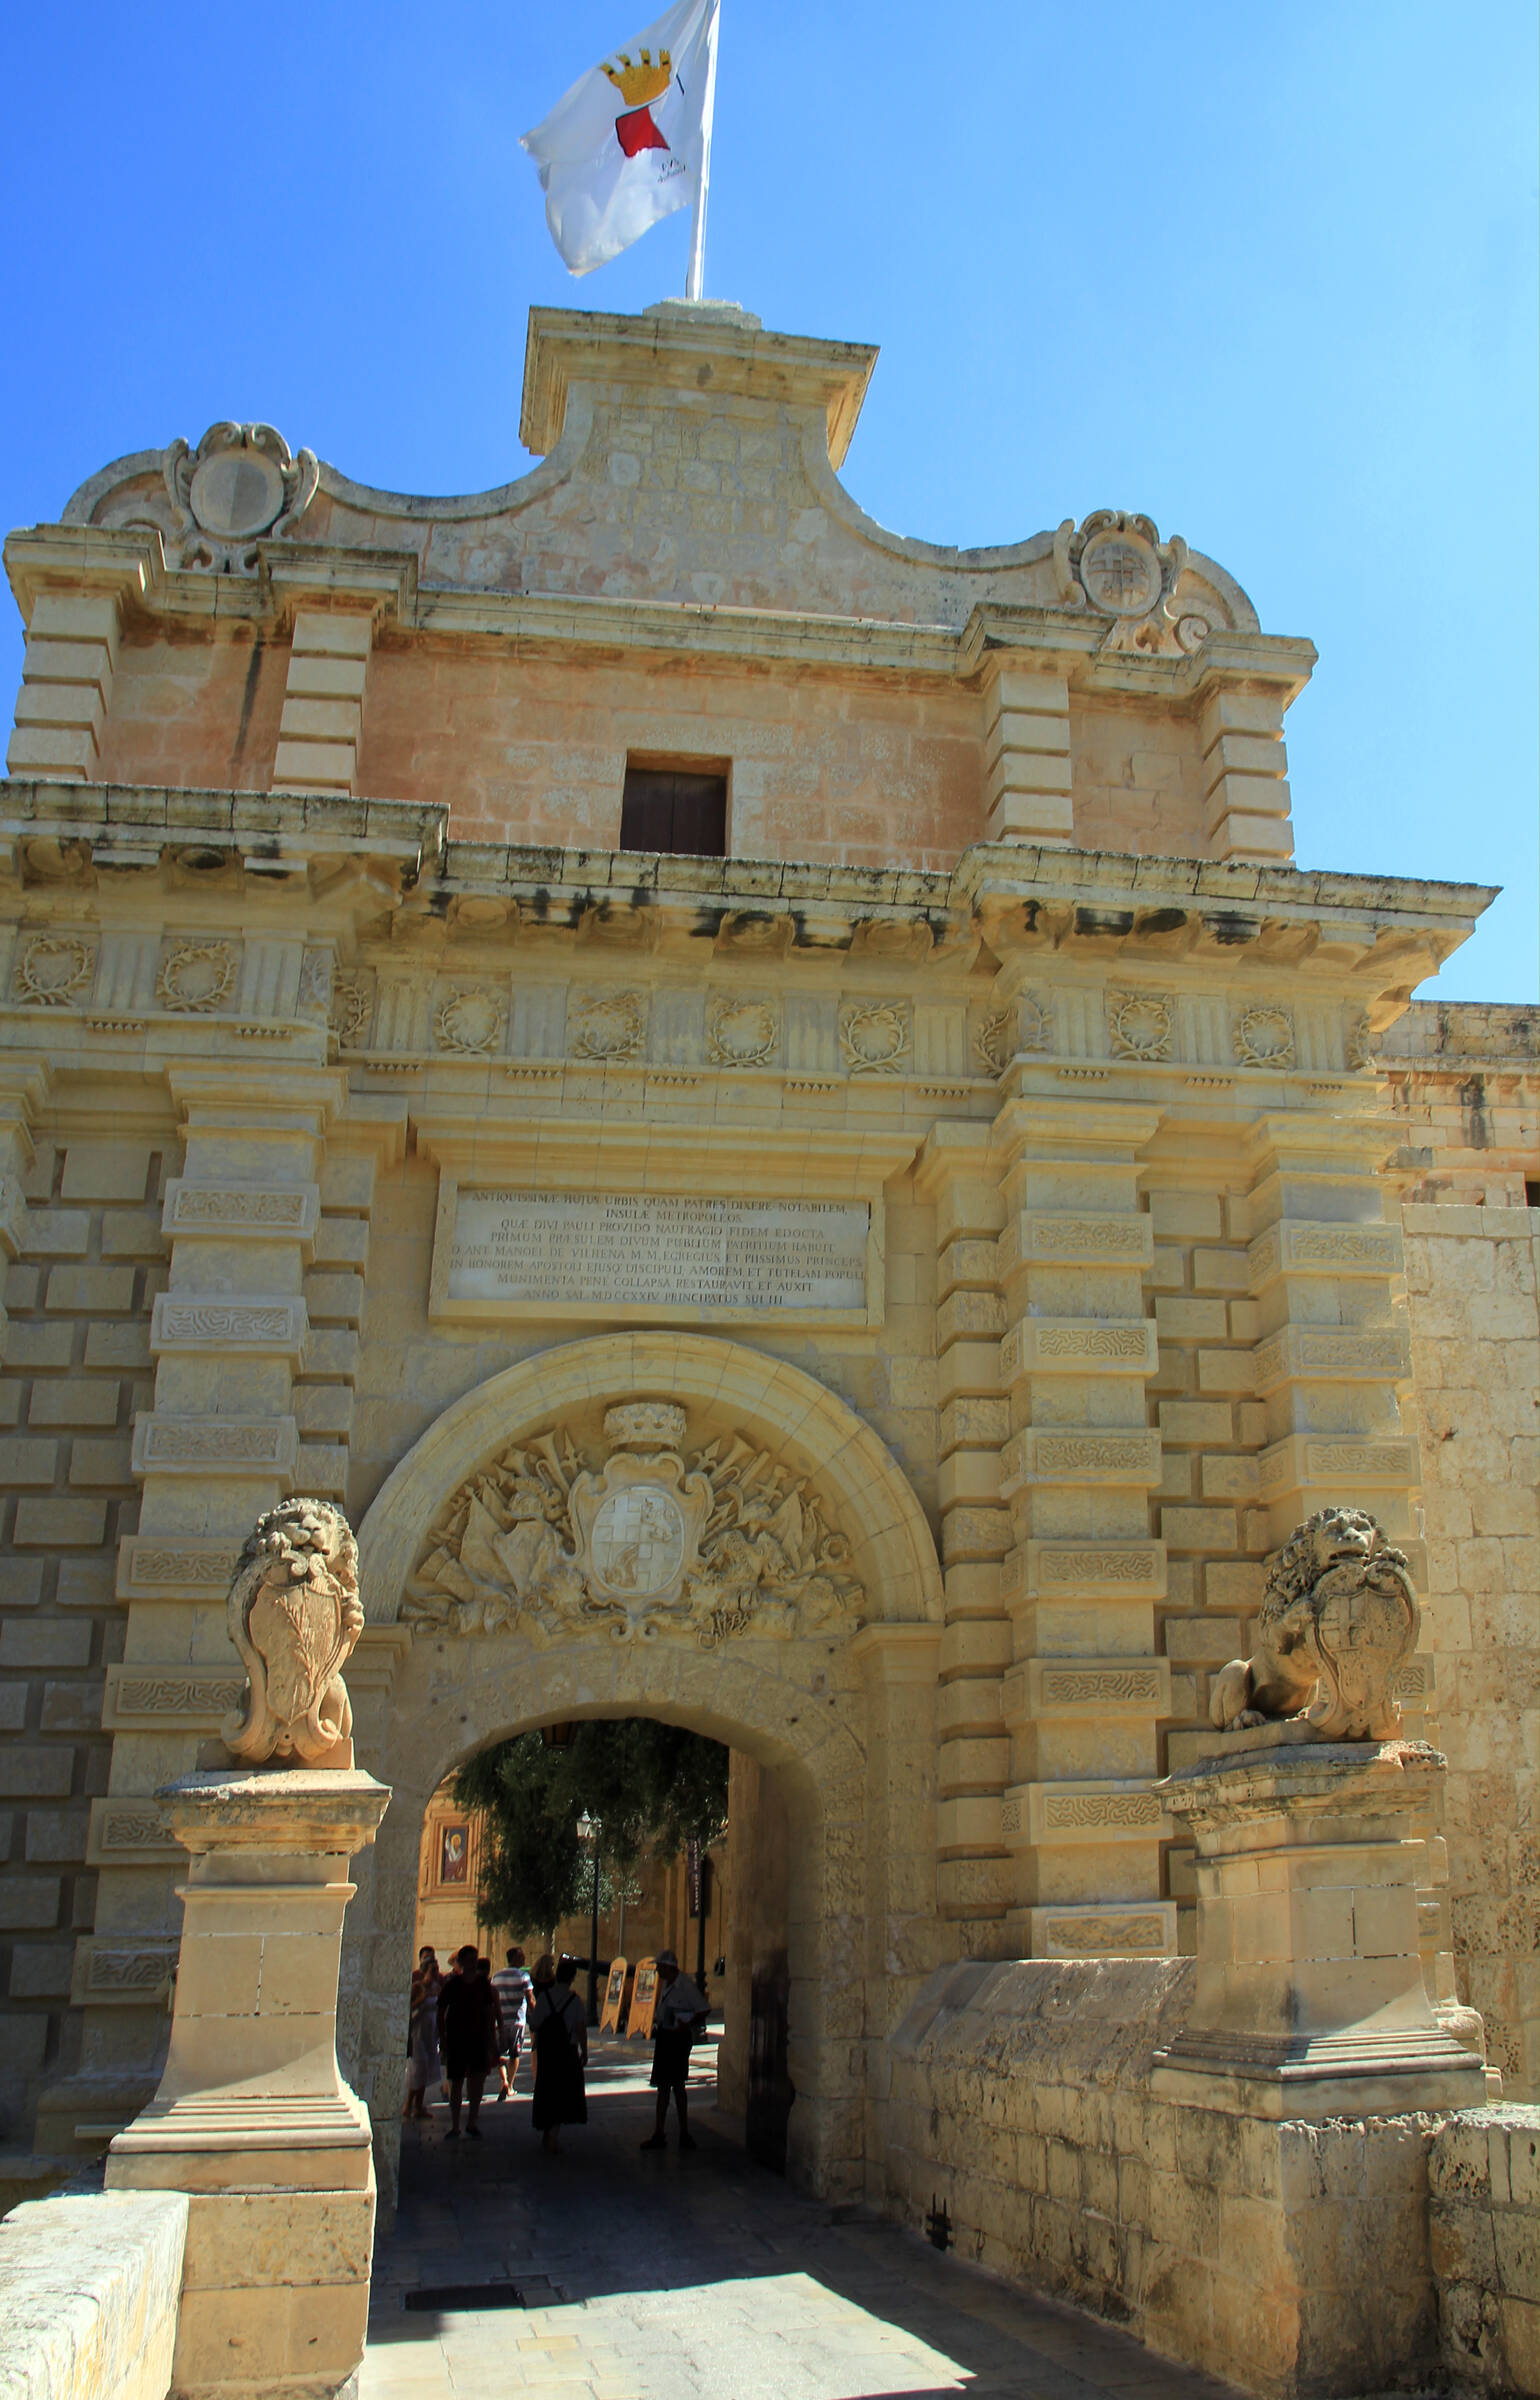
792 1515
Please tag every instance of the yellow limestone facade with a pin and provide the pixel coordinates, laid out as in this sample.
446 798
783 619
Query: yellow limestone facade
877 1295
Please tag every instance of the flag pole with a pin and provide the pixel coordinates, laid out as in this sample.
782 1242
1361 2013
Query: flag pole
695 280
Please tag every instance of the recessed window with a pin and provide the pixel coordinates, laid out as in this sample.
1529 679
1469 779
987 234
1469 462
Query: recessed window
675 808
1531 1192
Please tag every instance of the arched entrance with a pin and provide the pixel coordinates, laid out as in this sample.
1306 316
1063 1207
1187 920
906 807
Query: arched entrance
667 1525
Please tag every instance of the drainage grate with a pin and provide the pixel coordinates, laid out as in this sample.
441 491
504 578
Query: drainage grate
448 2298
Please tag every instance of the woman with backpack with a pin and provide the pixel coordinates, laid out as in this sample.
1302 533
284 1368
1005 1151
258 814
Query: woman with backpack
559 2033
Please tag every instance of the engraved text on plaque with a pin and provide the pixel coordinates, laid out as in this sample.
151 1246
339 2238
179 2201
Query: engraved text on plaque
653 1251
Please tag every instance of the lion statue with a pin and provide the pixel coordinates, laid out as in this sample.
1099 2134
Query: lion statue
1338 1618
294 1615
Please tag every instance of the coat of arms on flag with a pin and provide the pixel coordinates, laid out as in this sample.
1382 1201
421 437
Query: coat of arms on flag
609 174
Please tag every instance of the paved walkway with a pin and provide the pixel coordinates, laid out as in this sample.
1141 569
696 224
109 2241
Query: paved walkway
697 2278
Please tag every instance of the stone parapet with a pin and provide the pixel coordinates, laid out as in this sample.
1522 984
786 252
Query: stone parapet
90 2285
1354 2254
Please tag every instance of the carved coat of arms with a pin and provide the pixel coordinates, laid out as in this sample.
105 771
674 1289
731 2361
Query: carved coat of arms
643 1542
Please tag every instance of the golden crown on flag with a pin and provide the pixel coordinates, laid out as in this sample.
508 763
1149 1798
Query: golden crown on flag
642 81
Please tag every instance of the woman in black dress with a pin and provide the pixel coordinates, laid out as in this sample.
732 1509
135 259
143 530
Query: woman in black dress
559 2033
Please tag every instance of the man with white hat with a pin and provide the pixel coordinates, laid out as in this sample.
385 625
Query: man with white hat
680 2016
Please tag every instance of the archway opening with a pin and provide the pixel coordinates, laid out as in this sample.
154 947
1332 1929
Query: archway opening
741 1905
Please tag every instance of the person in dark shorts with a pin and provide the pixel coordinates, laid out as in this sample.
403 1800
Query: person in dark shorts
467 2035
558 2029
681 2015
514 1994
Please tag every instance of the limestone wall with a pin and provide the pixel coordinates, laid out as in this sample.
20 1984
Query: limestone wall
89 2291
76 1367
1471 1283
1020 2101
1484 2175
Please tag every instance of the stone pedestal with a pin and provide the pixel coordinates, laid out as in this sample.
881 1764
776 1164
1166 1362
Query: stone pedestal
252 2118
1311 2001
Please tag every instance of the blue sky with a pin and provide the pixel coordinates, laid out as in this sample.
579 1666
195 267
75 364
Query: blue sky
1267 275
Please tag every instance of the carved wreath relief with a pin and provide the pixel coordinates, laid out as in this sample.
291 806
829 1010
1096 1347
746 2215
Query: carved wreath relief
52 969
648 1540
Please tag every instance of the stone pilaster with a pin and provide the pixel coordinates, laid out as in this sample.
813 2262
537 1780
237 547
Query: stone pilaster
957 1176
323 709
904 1940
1086 1688
221 1445
76 587
1333 1352
1027 787
1245 769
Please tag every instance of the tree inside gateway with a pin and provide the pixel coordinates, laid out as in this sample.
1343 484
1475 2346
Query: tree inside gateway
643 1785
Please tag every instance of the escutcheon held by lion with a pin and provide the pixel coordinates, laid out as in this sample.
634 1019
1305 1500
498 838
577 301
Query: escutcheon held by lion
294 1615
1338 1620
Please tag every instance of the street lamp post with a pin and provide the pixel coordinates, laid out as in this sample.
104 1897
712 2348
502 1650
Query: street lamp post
588 1831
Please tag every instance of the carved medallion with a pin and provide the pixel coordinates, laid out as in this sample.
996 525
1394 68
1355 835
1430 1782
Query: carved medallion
648 1540
1116 562
242 484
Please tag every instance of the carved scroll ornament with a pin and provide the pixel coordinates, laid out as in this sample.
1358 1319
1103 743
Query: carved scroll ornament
649 1540
294 1616
1339 1619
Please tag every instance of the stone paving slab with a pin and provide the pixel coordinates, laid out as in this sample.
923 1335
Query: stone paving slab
701 2277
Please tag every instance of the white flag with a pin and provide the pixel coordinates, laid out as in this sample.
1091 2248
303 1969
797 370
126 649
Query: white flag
625 146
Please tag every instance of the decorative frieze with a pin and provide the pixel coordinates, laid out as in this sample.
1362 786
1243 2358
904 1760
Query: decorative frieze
1264 1037
1035 1237
1107 1687
607 1026
187 1445
1139 1026
1088 1571
248 1212
1079 1346
743 1031
130 1833
122 1973
1293 1246
471 1021
1305 1353
1301 1461
1072 1815
193 1699
874 1036
175 1566
1145 1930
1084 1455
52 969
255 1327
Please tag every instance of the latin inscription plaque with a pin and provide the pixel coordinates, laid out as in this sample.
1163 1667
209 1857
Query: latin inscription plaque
649 1250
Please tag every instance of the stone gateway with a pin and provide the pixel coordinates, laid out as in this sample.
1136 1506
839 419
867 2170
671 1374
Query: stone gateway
763 1113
